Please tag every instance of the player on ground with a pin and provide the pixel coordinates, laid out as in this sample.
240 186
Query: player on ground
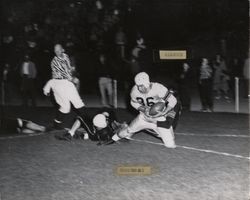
144 95
65 92
18 125
104 126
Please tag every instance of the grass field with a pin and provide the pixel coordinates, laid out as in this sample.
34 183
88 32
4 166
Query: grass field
211 162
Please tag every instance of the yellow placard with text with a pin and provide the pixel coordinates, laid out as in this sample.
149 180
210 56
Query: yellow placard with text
136 170
173 54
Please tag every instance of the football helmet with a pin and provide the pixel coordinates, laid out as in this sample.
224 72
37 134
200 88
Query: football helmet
142 79
100 121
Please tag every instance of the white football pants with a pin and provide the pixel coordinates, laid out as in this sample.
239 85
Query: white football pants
65 93
142 123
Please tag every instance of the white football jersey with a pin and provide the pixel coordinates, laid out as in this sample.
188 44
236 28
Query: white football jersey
155 94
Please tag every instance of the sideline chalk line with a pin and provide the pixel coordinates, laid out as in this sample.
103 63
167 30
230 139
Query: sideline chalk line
146 141
195 149
213 135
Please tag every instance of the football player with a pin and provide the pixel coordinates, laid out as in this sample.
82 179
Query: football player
144 95
18 125
104 126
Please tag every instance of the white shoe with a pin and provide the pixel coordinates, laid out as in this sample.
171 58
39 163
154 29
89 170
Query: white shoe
86 136
171 146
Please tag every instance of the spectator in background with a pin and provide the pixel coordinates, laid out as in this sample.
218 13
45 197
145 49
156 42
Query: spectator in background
5 90
28 74
120 41
132 68
206 86
246 75
221 78
75 73
235 70
75 79
105 81
140 45
184 86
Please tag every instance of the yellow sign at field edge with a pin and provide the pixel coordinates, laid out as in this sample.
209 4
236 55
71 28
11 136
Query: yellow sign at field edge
137 170
173 54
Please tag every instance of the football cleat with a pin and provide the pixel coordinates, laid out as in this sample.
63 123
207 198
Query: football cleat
86 136
109 142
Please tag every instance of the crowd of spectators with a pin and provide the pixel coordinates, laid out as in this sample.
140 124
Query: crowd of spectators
88 28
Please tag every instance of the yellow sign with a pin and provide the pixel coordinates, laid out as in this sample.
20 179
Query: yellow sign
173 54
134 170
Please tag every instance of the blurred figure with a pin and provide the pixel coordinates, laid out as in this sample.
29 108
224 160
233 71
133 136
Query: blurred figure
221 78
105 75
5 90
206 86
246 75
140 45
120 41
28 74
235 70
184 86
75 74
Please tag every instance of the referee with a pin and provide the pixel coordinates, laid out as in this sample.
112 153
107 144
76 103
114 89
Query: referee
65 92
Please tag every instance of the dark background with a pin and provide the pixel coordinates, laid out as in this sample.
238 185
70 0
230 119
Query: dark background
203 27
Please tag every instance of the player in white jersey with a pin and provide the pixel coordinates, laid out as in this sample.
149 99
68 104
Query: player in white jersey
144 95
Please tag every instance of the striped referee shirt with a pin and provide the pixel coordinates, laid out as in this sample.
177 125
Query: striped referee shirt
61 68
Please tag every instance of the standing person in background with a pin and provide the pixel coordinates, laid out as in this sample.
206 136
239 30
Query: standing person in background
28 74
120 41
184 86
221 78
206 86
105 80
64 90
5 85
246 75
75 74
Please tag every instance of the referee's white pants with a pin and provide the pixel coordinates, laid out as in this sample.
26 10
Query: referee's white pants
142 123
65 93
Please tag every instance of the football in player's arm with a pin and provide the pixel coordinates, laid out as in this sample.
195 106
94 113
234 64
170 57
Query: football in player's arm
158 110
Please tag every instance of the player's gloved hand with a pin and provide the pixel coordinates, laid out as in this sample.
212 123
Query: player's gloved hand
143 109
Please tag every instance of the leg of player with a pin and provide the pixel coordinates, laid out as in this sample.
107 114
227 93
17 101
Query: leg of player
33 126
76 125
167 137
139 123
